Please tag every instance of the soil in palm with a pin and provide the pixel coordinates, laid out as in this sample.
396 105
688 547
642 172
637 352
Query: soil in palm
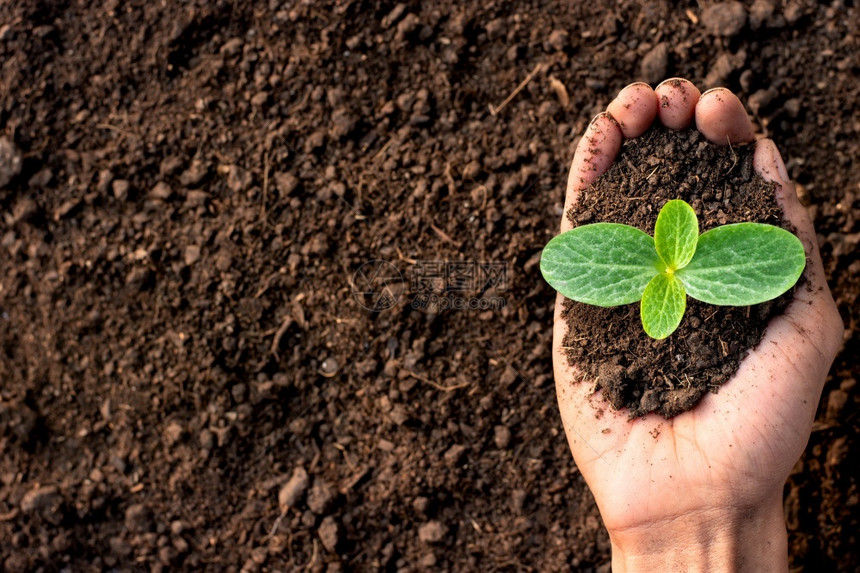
609 346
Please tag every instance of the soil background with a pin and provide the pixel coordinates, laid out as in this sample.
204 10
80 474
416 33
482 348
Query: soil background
182 353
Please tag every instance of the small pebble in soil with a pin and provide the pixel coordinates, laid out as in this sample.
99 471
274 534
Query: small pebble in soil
120 546
558 40
654 64
138 518
518 500
286 183
421 504
173 433
454 454
836 401
161 191
329 533
760 12
502 436
192 254
40 498
724 18
207 439
195 173
320 496
329 367
239 392
292 492
42 178
120 189
178 527
10 161
496 28
432 532
650 400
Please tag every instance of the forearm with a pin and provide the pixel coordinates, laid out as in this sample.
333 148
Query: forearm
723 540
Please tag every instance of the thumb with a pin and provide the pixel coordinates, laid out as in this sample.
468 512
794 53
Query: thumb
813 312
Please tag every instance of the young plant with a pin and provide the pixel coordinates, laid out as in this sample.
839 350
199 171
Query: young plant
609 264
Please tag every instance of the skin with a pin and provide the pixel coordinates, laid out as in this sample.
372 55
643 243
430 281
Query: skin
702 491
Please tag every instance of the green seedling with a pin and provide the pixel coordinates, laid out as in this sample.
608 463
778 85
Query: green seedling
609 264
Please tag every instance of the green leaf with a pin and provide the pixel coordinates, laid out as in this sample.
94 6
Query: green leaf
675 234
604 264
663 304
743 264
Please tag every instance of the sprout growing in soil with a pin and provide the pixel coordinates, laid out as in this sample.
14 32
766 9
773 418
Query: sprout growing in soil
610 264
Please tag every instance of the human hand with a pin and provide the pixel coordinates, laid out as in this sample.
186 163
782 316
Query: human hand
702 490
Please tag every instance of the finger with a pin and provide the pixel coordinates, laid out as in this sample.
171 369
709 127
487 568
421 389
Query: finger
594 154
634 109
677 98
768 163
814 312
721 117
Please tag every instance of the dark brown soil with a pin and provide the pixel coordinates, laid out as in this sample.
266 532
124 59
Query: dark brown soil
669 376
200 180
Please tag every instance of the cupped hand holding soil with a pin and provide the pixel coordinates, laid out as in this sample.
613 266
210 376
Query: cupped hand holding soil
704 488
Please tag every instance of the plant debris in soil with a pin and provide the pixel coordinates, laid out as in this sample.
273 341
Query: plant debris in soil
670 376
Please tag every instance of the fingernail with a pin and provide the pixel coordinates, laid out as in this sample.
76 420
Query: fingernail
666 81
634 84
598 116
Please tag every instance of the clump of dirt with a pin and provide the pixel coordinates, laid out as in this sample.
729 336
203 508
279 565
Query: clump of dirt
670 376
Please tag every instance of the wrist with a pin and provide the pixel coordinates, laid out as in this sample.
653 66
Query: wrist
730 539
